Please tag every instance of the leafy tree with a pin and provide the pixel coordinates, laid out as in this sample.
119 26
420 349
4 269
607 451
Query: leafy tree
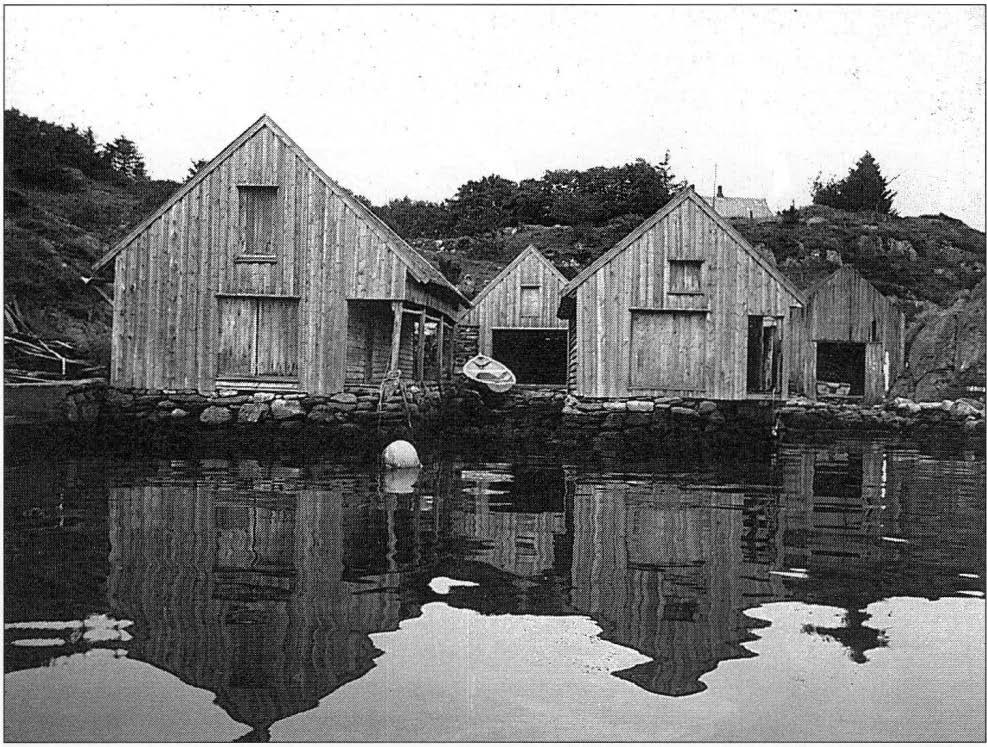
485 205
790 216
196 167
416 218
863 188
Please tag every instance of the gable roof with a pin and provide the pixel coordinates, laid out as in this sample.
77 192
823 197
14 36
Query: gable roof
687 194
739 207
419 267
530 250
844 270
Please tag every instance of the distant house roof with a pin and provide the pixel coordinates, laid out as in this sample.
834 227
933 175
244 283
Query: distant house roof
739 207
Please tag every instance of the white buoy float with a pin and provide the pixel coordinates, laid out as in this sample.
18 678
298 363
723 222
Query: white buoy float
401 481
400 455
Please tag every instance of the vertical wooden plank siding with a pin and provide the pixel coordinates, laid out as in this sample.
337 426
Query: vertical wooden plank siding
847 308
732 285
499 306
171 280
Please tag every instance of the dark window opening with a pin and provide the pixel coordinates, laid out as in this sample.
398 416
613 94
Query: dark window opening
763 355
840 369
536 356
873 330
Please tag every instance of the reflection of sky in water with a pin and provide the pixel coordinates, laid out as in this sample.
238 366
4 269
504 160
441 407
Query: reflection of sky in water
498 601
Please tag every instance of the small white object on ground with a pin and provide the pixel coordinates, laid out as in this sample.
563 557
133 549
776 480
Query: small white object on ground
400 455
442 584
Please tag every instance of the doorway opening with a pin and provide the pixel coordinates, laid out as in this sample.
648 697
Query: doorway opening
763 355
840 369
536 356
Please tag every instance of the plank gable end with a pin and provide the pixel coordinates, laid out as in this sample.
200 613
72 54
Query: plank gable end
176 265
666 310
523 295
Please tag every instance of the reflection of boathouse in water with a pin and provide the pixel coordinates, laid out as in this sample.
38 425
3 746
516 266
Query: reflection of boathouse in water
663 570
241 591
519 533
670 568
263 585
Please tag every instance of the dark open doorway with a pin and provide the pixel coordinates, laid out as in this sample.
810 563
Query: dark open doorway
763 355
536 356
840 368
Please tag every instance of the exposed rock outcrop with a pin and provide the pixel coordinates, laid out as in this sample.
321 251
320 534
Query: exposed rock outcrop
946 351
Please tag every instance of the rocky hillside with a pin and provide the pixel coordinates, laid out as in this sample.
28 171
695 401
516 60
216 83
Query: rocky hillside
946 350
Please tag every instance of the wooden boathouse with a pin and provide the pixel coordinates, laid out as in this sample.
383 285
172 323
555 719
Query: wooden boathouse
854 339
514 319
261 272
683 306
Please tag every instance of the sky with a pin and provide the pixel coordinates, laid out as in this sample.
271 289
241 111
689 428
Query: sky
395 101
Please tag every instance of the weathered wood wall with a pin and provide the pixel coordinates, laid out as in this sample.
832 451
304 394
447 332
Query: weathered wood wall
499 304
325 249
845 307
733 285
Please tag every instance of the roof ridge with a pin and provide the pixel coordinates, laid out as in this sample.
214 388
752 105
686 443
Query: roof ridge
408 254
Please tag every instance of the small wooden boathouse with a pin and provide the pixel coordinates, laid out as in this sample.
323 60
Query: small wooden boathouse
514 319
261 272
854 339
683 306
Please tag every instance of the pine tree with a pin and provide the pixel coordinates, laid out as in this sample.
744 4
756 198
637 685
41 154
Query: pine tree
863 188
125 158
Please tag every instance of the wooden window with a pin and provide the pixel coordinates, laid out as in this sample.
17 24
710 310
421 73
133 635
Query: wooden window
257 207
668 350
684 276
530 301
258 338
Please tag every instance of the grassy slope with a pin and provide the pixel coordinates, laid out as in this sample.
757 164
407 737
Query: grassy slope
51 240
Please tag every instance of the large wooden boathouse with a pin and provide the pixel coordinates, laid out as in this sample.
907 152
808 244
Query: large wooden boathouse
514 319
854 338
262 272
683 306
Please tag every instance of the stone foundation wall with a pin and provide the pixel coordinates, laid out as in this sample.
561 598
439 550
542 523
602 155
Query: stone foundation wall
461 413
354 411
964 416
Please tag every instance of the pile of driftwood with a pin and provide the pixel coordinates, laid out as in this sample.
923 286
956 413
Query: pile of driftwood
29 358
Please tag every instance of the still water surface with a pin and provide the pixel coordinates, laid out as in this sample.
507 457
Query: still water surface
809 593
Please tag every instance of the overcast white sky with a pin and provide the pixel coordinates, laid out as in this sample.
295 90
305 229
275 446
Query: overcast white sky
415 101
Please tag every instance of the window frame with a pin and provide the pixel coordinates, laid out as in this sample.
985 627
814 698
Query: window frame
250 249
674 290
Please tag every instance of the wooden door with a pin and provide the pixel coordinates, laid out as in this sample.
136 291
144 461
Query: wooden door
258 338
237 333
668 350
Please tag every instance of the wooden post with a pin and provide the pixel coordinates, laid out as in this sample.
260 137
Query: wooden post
396 334
441 349
420 357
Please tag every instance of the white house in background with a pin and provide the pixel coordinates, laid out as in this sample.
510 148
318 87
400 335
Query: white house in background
753 208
